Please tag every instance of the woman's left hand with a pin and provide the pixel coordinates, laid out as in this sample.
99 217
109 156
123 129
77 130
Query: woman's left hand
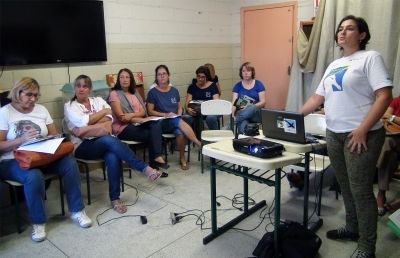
357 141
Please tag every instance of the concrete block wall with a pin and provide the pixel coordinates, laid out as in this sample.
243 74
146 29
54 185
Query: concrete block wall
182 34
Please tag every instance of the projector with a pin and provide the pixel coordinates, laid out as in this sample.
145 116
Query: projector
257 147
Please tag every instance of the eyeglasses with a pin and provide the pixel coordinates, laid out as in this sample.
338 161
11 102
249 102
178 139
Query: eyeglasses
30 94
162 74
85 86
201 76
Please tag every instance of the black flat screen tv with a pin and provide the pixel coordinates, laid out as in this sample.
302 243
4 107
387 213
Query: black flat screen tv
51 31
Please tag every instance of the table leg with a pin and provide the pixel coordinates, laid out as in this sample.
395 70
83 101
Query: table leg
306 188
213 196
245 190
215 231
315 226
277 220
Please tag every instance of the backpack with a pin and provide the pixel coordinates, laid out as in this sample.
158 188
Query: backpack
295 241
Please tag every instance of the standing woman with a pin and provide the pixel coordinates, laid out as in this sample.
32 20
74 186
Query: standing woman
248 97
129 111
23 120
356 90
89 119
164 101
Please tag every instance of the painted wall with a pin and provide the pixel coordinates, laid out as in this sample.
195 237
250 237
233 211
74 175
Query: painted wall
183 34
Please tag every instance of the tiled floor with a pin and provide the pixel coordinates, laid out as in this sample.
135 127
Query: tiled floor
181 191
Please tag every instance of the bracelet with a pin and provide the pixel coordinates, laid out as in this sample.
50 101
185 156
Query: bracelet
391 119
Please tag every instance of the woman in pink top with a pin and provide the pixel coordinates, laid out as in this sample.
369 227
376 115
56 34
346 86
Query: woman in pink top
130 123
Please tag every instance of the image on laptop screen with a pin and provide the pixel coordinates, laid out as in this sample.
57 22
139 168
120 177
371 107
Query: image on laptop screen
283 125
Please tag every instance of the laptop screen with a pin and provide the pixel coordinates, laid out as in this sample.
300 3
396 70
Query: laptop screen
283 125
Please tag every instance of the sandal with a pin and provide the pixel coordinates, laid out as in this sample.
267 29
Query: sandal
382 211
185 166
381 203
160 165
152 174
119 206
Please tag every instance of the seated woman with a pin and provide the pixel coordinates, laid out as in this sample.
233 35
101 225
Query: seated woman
164 101
213 77
23 120
129 121
202 90
90 121
388 159
248 98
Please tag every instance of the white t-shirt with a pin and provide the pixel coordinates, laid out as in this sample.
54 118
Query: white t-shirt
348 86
16 123
77 115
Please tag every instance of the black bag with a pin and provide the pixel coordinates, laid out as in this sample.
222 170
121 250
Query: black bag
295 241
252 129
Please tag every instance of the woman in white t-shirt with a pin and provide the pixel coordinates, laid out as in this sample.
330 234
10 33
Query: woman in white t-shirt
23 120
356 91
89 119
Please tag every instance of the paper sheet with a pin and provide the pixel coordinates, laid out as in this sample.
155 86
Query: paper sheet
48 146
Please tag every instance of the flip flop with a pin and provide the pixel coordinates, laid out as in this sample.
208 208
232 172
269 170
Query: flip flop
152 174
119 206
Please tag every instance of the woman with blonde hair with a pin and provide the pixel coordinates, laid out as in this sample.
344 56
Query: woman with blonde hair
213 76
23 120
90 120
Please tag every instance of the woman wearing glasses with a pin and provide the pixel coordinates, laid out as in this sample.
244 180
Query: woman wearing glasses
164 101
23 120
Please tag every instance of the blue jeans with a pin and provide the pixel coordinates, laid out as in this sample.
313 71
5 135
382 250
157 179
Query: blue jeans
211 121
149 133
33 182
113 151
171 125
248 115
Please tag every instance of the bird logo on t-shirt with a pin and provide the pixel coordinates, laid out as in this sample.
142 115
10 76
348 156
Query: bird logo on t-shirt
336 76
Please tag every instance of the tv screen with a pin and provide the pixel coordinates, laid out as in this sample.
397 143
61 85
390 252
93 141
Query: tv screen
45 32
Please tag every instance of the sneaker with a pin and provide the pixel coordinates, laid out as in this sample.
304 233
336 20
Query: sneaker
342 233
82 219
362 254
38 232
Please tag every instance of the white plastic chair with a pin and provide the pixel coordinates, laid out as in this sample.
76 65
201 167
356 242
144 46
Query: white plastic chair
315 124
217 107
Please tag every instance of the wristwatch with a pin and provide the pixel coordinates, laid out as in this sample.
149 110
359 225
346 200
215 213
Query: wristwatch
391 119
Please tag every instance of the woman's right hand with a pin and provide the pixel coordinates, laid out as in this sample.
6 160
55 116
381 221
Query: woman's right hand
170 114
29 135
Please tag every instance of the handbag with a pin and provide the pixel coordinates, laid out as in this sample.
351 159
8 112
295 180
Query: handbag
33 159
391 127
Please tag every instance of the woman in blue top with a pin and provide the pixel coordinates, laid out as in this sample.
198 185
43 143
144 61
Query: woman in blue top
248 96
163 100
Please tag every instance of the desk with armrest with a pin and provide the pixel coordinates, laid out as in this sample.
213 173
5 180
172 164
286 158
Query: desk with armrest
265 171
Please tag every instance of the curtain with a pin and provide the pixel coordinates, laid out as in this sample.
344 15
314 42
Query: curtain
315 54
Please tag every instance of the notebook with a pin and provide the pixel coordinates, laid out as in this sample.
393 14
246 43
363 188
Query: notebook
40 139
285 125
